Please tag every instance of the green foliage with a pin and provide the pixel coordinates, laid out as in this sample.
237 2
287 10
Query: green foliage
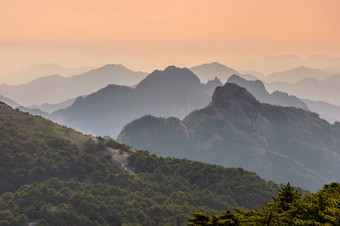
53 175
288 208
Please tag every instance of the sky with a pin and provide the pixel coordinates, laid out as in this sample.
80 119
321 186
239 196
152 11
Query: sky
151 34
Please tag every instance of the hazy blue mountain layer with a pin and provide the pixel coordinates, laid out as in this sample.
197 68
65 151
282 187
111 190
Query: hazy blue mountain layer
55 88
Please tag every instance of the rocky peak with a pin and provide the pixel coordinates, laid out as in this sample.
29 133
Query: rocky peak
230 93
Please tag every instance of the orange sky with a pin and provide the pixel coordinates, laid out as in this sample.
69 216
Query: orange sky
149 34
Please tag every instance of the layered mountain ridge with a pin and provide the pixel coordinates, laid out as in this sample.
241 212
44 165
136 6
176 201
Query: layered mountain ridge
260 92
171 92
57 88
280 143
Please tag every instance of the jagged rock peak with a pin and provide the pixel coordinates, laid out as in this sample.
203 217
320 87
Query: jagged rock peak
231 92
4 108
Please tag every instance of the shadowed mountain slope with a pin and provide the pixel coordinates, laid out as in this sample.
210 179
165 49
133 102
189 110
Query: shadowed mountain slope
258 90
235 130
172 92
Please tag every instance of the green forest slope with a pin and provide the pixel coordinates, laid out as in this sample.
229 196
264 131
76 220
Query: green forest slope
54 175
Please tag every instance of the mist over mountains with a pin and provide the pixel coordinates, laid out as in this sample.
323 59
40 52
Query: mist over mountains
280 143
271 64
172 92
326 111
258 90
35 71
58 89
207 72
179 94
296 74
311 88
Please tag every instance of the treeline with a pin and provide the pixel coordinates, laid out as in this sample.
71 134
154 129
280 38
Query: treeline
288 208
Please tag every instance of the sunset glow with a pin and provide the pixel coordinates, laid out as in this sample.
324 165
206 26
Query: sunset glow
145 35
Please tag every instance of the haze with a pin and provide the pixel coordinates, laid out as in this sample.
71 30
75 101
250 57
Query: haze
145 35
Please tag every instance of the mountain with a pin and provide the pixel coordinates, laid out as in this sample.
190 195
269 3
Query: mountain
235 130
327 111
207 72
257 74
35 71
258 90
309 88
8 101
211 85
172 92
333 81
272 64
54 175
297 74
333 70
57 89
49 108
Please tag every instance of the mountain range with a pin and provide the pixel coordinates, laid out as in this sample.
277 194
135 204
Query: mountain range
50 108
57 88
172 92
327 90
258 90
297 74
272 64
35 71
209 71
326 111
279 143
9 102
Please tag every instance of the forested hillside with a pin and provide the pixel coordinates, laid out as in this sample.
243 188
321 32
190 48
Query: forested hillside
53 175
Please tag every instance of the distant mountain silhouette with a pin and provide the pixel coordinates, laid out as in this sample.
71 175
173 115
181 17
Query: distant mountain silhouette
297 74
34 111
55 88
211 85
49 108
310 88
235 130
327 111
332 81
258 90
207 72
34 71
172 92
272 64
9 102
